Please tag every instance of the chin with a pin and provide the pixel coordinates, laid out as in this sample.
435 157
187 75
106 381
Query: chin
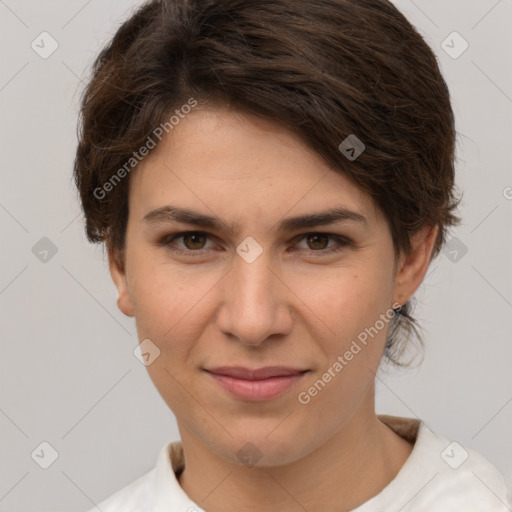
266 446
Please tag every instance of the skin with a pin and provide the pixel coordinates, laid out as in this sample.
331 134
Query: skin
295 305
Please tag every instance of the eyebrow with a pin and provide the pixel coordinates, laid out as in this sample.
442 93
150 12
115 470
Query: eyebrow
170 213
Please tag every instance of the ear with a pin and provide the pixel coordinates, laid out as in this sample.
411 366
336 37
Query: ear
118 273
413 266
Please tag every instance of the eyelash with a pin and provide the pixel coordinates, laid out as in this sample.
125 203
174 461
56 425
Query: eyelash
167 240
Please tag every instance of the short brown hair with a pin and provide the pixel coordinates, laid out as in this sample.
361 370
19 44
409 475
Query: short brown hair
324 69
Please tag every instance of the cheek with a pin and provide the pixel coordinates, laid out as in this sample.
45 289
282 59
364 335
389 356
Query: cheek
348 300
169 305
168 301
350 304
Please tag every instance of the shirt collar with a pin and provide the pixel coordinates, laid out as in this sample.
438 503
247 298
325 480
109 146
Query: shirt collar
168 494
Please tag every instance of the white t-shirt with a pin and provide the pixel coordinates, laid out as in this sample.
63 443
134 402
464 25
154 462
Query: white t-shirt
438 476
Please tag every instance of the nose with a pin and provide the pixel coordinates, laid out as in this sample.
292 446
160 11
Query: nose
255 303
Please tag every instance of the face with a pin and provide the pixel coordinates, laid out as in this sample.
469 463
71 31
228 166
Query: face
255 292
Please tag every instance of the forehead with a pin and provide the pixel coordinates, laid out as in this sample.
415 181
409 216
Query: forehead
237 165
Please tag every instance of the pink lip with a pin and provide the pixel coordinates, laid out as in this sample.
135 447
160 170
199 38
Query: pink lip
256 385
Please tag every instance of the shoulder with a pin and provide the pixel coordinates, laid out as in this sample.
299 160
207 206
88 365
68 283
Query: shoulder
135 497
441 476
464 478
155 489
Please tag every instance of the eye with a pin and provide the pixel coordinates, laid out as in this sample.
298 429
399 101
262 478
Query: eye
318 242
193 242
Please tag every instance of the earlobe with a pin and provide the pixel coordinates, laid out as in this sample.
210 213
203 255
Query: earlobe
118 274
414 265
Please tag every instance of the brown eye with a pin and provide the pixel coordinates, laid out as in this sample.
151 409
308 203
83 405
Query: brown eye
323 244
318 241
194 241
188 243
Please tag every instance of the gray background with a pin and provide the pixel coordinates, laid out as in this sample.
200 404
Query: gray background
68 375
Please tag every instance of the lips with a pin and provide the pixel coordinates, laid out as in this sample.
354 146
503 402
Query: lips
256 385
240 372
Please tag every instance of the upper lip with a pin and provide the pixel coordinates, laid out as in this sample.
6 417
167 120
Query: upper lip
240 372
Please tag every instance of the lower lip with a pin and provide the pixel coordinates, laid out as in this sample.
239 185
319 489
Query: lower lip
257 390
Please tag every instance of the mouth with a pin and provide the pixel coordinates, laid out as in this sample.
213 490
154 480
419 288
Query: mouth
259 384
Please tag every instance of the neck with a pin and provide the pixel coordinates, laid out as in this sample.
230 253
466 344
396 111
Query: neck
354 465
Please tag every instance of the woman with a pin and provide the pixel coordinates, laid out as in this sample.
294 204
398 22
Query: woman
272 180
